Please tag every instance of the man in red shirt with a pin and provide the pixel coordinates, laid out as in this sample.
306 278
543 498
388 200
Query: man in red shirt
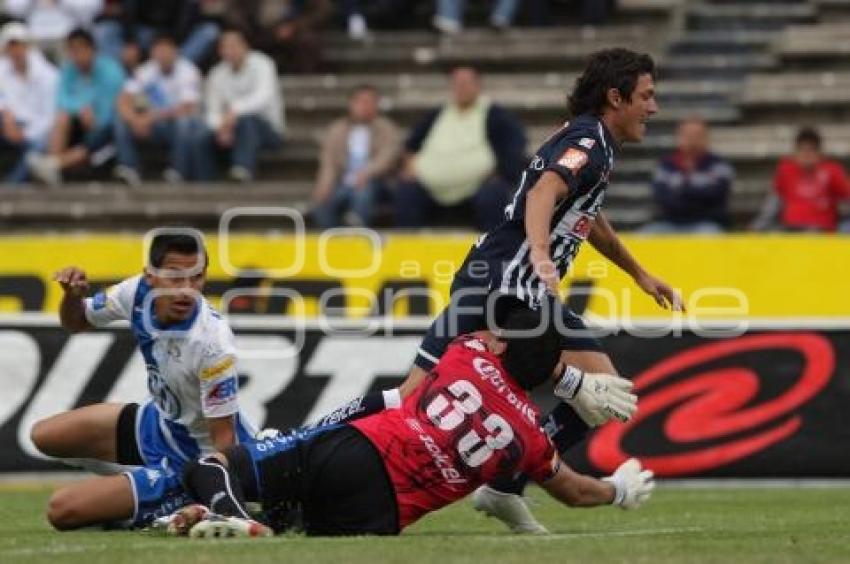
810 186
469 422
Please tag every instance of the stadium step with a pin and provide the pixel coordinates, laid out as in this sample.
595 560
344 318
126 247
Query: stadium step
759 16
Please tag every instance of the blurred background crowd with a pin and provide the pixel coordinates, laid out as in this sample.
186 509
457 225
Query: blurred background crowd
413 114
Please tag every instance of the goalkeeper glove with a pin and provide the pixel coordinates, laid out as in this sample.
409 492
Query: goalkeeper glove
632 485
597 398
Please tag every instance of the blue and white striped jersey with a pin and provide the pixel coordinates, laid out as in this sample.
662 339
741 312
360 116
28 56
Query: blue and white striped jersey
582 153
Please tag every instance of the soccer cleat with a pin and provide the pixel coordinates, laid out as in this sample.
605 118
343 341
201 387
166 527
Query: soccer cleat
510 509
181 521
220 527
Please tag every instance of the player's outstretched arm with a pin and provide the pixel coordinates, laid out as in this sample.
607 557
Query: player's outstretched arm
629 487
605 240
72 311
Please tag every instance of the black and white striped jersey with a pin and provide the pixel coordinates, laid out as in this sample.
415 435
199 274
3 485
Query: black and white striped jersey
582 153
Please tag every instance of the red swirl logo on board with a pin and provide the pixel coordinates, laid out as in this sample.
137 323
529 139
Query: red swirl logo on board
715 405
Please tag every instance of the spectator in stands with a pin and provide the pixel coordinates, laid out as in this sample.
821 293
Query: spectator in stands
288 30
358 153
470 151
449 16
137 23
355 20
691 186
51 21
89 84
160 104
27 97
808 186
244 109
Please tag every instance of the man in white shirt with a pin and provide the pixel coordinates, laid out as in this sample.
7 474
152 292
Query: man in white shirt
244 109
159 105
50 21
28 85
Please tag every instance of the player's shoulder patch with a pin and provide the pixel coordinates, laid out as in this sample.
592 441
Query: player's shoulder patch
587 142
98 302
573 159
219 368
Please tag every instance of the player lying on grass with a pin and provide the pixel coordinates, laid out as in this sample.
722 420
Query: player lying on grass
189 354
557 206
471 421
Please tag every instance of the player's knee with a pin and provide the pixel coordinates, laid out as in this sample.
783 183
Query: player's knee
41 436
63 511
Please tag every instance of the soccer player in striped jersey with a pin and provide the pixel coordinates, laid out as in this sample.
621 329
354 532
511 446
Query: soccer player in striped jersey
521 262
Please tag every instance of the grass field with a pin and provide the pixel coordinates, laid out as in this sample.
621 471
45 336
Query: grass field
678 525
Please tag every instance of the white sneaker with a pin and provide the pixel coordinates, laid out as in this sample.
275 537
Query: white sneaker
240 174
510 509
172 176
446 25
44 168
218 526
357 28
127 175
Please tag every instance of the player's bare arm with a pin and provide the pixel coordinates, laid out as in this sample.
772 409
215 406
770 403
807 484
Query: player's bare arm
72 311
605 240
539 208
222 431
628 487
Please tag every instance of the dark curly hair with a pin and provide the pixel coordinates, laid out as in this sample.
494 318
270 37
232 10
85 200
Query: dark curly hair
610 68
533 347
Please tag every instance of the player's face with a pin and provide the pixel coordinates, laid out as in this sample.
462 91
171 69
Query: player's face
638 110
180 284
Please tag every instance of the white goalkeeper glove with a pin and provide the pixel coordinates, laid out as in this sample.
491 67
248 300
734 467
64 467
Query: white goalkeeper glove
267 434
632 485
597 398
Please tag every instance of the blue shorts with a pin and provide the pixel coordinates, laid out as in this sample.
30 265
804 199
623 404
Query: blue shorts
160 438
468 312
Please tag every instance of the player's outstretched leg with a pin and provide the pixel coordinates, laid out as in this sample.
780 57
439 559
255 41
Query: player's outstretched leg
212 482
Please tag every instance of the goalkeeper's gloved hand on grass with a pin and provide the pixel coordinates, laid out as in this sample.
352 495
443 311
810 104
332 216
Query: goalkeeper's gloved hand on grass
597 398
632 484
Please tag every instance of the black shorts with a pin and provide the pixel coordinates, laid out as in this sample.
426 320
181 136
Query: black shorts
467 313
127 442
333 478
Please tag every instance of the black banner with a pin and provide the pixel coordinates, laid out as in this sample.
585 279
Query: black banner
769 403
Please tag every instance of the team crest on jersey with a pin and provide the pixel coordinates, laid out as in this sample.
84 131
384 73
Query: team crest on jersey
573 159
587 143
99 301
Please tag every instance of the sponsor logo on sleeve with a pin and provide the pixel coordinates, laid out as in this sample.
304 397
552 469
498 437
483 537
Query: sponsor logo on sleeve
217 369
222 392
573 159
